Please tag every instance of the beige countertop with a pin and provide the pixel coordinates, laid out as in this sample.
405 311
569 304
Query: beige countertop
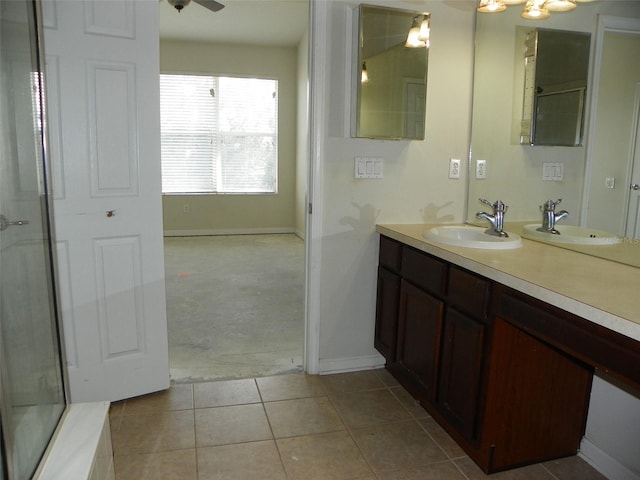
604 292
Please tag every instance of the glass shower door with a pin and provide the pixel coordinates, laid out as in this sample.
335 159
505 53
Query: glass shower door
31 387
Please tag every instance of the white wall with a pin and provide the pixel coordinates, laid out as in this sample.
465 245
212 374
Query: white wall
613 429
415 187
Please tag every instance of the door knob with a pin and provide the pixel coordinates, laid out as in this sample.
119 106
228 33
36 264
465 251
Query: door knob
635 186
5 223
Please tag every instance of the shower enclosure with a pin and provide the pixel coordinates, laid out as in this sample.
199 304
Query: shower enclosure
32 394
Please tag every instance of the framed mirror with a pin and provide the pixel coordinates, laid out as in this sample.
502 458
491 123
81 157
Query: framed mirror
391 79
556 67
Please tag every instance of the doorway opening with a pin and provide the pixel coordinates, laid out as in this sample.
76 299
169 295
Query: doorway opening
235 263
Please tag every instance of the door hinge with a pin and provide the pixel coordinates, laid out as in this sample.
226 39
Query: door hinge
310 208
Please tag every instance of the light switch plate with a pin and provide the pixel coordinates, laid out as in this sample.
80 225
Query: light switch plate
368 167
553 171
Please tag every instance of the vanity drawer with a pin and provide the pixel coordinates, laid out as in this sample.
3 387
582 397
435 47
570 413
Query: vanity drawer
390 253
469 292
423 270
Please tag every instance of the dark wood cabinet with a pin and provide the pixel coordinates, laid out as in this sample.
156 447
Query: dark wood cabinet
388 298
462 364
386 333
419 334
536 401
465 349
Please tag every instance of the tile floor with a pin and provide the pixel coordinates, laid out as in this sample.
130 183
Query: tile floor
359 425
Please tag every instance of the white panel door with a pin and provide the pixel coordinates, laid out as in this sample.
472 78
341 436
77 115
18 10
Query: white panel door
104 109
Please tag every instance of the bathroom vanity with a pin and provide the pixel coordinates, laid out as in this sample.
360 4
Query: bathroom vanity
500 346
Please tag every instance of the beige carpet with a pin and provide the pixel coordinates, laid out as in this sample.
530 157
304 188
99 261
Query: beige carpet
235 306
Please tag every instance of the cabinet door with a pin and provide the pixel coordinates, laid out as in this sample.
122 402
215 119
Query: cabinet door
420 328
387 313
461 371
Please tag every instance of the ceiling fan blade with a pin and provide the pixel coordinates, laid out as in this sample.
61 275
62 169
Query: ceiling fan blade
210 4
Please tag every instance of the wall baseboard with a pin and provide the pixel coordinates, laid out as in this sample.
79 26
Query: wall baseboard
230 231
350 364
604 463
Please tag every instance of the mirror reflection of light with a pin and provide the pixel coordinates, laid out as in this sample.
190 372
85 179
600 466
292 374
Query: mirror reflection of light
365 75
418 36
533 10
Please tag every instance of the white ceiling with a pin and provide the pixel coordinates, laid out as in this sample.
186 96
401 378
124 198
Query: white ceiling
248 22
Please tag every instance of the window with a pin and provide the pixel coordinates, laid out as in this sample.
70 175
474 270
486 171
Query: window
218 134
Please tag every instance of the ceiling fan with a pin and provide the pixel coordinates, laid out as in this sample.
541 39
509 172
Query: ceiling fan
210 4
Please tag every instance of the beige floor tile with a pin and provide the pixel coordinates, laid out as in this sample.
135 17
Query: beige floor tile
233 424
229 392
287 387
442 438
115 415
573 468
369 407
176 464
386 377
154 432
304 416
243 461
396 445
349 382
410 403
531 472
328 456
438 471
177 397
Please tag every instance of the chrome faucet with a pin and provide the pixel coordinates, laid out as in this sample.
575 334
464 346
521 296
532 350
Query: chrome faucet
550 217
496 219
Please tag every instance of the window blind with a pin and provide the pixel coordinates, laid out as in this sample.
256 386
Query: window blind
218 134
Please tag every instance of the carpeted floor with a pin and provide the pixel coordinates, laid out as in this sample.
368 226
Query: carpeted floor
235 306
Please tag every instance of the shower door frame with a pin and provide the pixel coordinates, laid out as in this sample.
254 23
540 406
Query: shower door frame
9 466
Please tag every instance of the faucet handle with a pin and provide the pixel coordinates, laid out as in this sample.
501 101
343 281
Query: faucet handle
497 206
550 205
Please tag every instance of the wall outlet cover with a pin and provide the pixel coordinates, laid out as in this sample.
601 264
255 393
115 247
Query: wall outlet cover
454 168
481 169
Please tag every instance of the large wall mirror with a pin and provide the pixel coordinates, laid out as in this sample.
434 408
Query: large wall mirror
596 176
391 83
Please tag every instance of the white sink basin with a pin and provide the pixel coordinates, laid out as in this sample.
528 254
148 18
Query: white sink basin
471 237
572 235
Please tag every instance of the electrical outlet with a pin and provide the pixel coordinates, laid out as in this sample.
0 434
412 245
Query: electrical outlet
185 208
454 168
481 169
610 182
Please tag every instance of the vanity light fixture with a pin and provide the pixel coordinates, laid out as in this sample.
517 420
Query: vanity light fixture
418 36
492 6
364 76
533 9
560 5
